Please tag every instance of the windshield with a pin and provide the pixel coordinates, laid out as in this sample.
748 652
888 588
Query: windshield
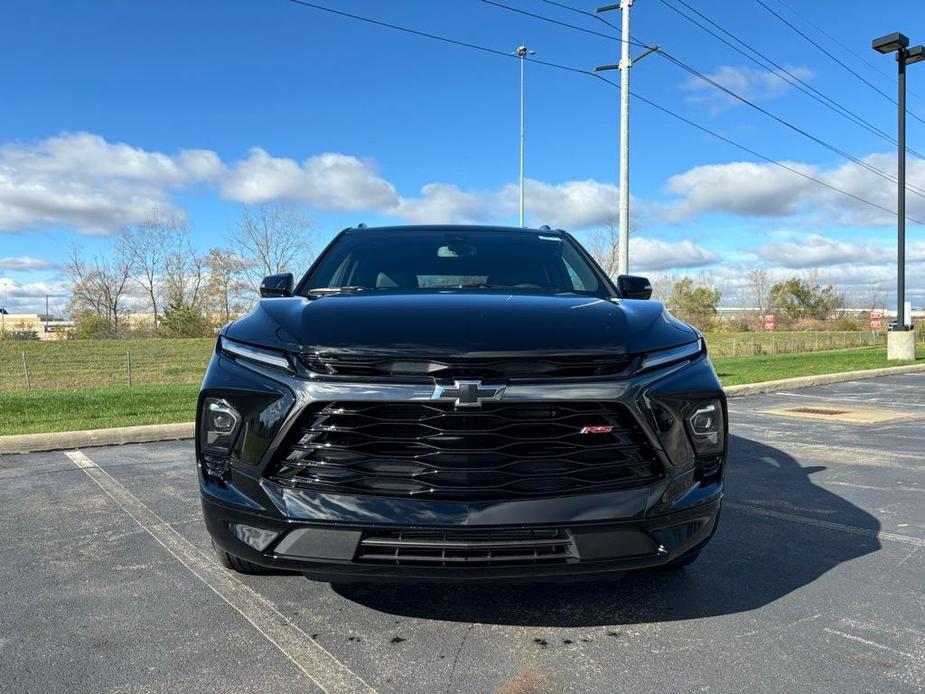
468 259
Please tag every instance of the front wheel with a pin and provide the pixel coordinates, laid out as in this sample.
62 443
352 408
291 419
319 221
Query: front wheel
236 564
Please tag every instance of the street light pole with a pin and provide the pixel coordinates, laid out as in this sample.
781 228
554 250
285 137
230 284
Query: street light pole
522 52
901 192
900 345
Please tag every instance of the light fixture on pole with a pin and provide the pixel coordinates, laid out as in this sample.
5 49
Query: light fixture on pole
899 345
623 257
522 52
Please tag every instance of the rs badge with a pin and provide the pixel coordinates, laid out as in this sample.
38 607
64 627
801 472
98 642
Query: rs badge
603 429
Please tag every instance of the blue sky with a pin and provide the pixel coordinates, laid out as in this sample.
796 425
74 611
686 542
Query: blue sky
111 108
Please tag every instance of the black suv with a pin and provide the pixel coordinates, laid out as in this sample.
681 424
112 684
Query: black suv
456 403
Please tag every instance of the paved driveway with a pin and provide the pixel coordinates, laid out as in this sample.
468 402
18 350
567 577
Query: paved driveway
815 582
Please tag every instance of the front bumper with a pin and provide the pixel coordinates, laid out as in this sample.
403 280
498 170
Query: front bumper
328 552
320 534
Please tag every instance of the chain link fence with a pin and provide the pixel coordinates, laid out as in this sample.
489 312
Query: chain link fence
68 364
755 344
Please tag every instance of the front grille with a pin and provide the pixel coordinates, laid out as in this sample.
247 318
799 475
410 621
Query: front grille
501 451
466 547
501 368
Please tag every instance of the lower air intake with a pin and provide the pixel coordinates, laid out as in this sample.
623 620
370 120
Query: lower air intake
466 547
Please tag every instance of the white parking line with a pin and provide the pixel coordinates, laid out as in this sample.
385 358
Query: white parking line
322 668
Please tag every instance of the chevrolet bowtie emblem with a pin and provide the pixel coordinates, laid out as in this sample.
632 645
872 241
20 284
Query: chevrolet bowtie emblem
467 393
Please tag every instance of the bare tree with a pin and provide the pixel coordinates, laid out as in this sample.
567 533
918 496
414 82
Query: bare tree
99 285
184 272
272 238
757 290
874 297
604 247
662 285
226 283
147 244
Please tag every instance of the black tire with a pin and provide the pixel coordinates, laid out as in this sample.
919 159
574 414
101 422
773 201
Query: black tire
681 562
241 566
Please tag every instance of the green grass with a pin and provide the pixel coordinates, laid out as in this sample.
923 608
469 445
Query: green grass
736 370
41 411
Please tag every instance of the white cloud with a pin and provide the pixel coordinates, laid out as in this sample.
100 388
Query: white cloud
29 297
443 203
328 181
814 250
655 255
765 190
751 83
571 205
82 181
742 188
26 263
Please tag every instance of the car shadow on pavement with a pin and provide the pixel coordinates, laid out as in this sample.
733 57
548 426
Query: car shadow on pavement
761 552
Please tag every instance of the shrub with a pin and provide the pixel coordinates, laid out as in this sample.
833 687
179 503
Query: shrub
185 321
89 326
848 324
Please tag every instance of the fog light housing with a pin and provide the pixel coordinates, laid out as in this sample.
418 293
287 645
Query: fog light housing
707 427
219 426
258 538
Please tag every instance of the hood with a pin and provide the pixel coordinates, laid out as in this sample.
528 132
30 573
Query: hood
460 323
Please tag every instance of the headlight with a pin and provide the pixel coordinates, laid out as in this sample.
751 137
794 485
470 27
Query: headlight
267 357
220 425
663 357
707 427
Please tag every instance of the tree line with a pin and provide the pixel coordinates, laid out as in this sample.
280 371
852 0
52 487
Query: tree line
152 268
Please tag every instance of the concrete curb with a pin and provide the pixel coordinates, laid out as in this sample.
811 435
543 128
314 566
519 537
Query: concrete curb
29 443
818 380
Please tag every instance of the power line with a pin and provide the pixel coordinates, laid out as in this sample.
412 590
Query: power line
840 152
679 117
779 71
544 18
584 12
767 159
836 150
869 63
685 66
835 58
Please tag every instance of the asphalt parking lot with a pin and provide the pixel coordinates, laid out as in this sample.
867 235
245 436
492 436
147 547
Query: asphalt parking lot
815 582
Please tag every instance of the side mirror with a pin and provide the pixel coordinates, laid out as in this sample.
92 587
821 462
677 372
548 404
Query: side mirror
633 287
276 285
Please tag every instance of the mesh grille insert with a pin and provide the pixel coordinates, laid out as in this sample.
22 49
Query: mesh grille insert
501 451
